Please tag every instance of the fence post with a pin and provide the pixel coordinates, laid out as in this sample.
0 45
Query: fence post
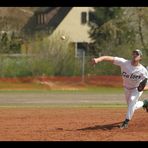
83 65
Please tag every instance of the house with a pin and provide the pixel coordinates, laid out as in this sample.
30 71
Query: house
76 25
72 21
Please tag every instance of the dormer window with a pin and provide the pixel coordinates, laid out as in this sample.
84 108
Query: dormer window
40 18
83 18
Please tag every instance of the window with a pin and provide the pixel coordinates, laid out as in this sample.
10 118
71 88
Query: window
40 19
79 48
83 17
92 17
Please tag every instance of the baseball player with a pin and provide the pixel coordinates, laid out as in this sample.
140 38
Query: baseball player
135 77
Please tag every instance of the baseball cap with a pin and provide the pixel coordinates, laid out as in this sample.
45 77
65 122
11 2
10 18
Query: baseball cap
138 51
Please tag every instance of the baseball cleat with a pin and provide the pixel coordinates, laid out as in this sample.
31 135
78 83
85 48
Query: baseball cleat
145 106
124 125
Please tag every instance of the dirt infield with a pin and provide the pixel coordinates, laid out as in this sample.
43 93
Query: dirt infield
75 124
20 121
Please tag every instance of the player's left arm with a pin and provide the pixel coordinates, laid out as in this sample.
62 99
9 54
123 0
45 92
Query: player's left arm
142 85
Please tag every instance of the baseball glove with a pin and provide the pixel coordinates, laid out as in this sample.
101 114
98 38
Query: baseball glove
142 85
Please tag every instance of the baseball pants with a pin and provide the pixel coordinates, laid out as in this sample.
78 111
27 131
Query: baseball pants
132 98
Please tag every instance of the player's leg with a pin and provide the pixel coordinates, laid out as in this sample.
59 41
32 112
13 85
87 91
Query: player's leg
132 97
127 95
133 103
140 104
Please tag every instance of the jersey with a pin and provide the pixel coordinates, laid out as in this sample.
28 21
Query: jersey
132 75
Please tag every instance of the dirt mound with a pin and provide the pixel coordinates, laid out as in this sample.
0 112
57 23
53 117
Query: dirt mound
75 124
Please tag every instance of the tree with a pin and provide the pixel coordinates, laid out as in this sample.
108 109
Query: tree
110 29
4 42
142 21
15 44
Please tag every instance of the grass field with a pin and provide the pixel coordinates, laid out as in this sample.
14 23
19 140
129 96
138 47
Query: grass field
37 95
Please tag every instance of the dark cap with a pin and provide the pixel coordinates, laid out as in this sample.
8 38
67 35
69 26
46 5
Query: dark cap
138 51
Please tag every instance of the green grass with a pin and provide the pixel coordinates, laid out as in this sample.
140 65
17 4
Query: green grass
100 90
63 106
104 90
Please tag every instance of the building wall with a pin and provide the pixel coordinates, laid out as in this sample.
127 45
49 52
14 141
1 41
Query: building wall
71 25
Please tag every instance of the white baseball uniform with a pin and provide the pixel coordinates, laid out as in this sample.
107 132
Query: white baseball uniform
132 76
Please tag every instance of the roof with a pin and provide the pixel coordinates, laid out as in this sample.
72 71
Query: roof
54 17
44 9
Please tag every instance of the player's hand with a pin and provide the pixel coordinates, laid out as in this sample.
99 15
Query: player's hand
93 62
